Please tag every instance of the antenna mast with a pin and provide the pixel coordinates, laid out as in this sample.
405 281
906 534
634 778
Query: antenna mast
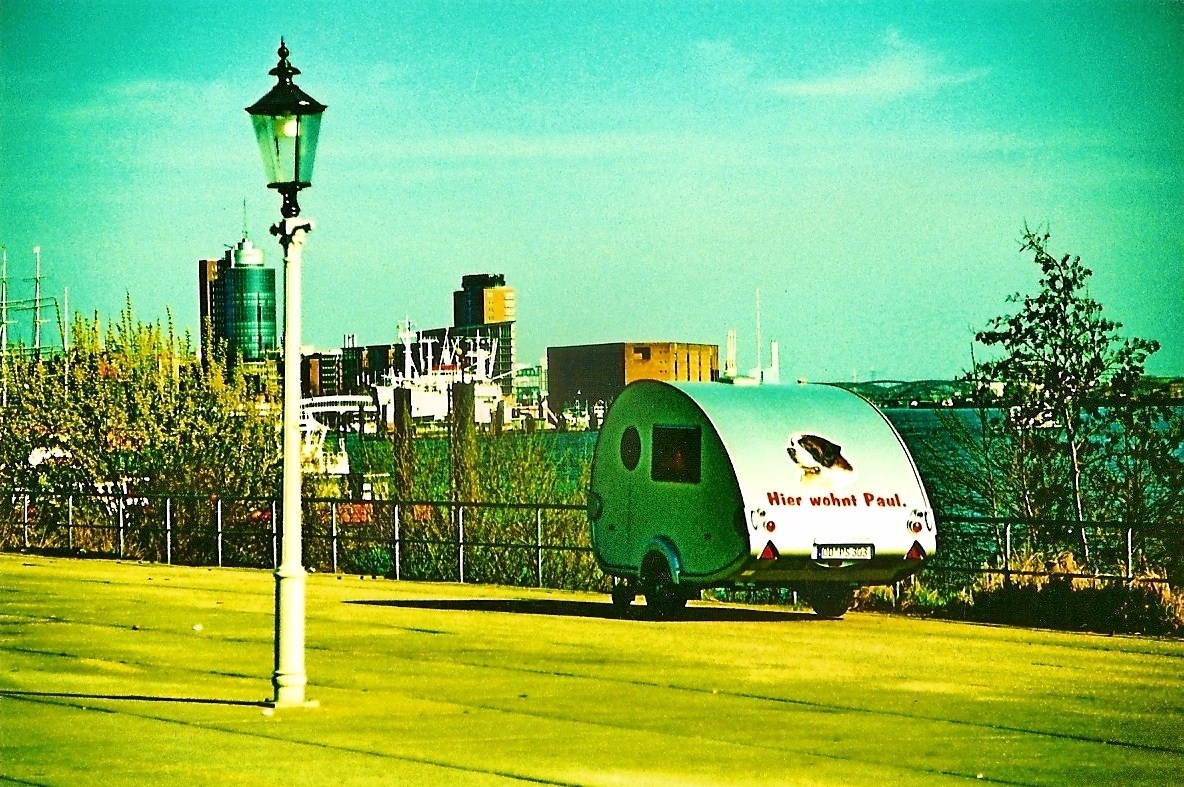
37 301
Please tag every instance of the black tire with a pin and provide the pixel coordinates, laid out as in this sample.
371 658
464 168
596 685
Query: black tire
663 598
830 601
622 595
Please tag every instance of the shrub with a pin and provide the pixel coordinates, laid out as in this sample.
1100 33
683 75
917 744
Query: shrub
911 597
375 561
1049 597
875 598
922 599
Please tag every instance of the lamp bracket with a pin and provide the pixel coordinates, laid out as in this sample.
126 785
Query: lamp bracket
292 230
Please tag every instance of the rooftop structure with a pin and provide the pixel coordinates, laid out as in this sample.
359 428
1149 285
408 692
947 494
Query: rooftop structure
482 299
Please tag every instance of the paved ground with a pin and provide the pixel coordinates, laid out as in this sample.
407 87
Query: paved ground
128 674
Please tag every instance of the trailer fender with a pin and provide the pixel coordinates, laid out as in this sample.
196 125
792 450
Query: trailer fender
663 546
660 571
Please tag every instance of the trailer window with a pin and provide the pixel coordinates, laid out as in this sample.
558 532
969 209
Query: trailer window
630 448
676 451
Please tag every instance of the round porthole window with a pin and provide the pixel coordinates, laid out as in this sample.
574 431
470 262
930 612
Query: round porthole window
630 448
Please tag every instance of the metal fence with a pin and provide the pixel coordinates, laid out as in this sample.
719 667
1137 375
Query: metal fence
541 544
1016 548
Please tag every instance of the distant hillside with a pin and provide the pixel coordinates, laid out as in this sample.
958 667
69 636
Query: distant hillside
955 393
911 393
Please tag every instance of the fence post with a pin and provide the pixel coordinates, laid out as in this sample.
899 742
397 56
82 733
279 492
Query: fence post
70 522
396 544
333 531
1130 554
25 527
460 542
122 507
538 542
274 556
1007 554
168 531
218 528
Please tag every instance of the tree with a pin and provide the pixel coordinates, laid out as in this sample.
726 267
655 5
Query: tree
132 407
1060 362
1142 480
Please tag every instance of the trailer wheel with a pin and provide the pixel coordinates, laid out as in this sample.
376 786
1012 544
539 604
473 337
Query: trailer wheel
623 595
830 601
662 596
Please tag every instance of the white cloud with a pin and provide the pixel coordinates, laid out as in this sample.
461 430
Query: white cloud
156 101
902 68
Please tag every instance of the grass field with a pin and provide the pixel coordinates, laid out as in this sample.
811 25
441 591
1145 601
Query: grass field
117 673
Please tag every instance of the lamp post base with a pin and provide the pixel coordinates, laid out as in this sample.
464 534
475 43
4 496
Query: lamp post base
289 678
274 705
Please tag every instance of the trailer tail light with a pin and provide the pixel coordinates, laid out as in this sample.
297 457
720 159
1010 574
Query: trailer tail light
770 526
769 553
916 553
915 525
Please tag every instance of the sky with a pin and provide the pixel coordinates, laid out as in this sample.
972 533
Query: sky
638 171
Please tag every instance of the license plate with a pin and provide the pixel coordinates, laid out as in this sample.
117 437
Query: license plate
845 552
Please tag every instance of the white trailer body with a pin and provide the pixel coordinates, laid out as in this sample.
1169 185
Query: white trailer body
803 486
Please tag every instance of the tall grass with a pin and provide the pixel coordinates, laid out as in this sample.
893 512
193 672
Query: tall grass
1047 591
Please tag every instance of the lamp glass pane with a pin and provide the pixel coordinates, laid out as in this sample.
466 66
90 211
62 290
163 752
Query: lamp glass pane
288 146
271 150
310 129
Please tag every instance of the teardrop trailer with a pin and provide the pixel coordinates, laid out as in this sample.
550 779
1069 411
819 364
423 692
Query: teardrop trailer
709 485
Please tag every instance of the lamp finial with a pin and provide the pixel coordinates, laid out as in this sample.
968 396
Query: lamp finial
284 71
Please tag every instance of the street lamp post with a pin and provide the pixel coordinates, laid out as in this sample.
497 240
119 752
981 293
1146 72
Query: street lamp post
287 121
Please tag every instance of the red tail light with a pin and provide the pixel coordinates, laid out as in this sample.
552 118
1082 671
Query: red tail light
916 553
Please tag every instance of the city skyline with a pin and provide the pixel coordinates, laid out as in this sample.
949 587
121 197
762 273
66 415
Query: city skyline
636 171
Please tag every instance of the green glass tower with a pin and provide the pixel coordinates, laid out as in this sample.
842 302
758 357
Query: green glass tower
237 294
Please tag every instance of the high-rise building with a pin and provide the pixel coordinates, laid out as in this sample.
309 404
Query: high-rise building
482 299
485 307
236 296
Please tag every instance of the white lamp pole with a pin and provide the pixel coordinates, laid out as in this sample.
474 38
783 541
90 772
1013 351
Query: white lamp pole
289 678
287 121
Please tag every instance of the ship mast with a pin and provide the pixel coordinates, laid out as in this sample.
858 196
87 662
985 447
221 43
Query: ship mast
37 301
